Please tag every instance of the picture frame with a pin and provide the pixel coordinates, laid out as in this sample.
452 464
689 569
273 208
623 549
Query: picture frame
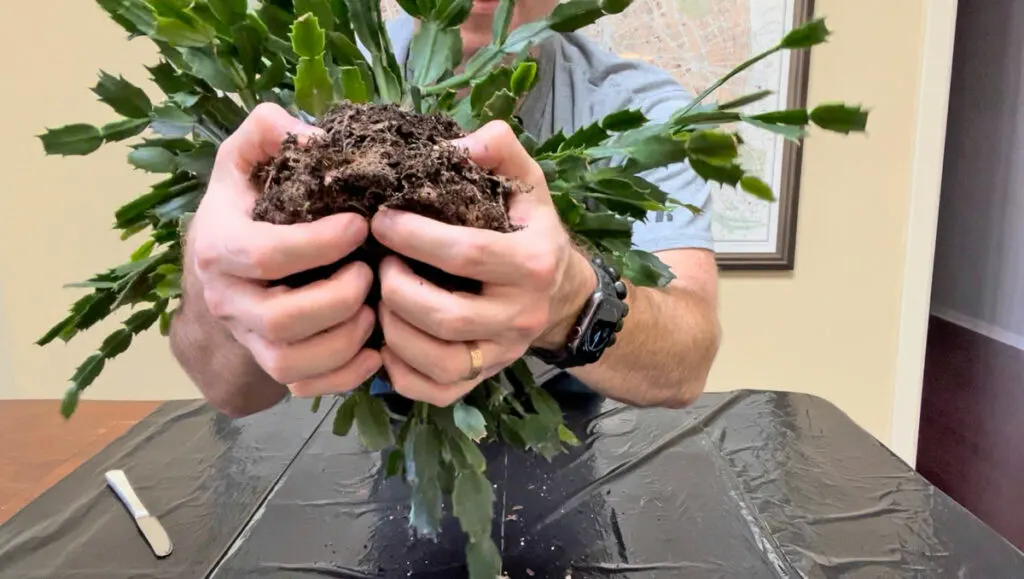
697 42
783 255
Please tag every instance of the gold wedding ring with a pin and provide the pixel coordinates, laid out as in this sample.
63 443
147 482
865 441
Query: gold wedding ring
476 361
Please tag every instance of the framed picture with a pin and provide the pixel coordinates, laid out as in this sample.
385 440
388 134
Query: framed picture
699 41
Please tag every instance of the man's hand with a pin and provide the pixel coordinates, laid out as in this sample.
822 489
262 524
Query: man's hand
534 283
310 338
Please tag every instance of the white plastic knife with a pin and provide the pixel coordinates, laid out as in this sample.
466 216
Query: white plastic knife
148 524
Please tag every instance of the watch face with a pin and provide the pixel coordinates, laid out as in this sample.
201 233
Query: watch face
597 339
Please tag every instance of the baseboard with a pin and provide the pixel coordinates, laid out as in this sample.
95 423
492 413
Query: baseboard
979 327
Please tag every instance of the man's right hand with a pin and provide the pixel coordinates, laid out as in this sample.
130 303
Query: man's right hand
311 338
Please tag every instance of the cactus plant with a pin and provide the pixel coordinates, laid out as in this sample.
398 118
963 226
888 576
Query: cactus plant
327 59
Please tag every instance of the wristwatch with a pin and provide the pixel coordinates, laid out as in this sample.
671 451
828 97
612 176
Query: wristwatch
596 328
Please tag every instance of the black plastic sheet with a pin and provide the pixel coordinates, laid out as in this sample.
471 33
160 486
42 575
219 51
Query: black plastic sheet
749 484
202 474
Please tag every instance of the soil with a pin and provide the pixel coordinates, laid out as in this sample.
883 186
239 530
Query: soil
381 156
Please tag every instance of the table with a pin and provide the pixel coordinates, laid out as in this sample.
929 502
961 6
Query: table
38 449
745 484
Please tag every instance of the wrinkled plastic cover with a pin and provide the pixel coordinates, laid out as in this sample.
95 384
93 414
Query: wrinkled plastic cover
749 484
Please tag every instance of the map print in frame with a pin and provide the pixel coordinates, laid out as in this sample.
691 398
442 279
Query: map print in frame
698 42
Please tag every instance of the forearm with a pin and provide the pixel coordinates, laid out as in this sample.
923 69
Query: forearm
221 368
664 352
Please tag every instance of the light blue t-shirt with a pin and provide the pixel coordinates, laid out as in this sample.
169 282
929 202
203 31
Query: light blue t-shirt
579 83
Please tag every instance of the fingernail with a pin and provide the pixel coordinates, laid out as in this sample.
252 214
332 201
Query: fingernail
466 144
349 220
305 132
389 214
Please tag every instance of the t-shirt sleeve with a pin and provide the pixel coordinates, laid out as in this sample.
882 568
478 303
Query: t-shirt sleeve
659 96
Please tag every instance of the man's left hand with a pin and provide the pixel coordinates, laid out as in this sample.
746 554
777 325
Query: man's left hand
534 283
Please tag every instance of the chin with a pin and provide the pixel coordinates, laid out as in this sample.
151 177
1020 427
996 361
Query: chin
478 20
475 35
484 7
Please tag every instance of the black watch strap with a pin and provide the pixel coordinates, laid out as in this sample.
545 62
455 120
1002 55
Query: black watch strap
598 324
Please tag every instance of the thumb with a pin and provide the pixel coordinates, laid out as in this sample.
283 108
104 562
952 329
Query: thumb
495 147
260 136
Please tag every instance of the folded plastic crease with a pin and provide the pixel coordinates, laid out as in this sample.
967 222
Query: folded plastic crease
747 484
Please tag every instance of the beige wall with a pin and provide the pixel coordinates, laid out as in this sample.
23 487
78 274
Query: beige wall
60 211
829 328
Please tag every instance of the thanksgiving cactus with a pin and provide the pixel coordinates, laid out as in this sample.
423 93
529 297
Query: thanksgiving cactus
324 59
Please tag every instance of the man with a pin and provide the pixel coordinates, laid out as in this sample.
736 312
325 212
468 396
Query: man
246 346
